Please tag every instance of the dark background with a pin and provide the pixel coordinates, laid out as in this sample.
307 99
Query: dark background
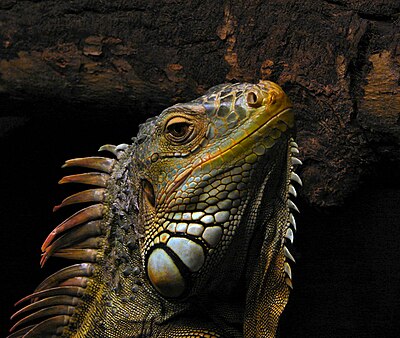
347 276
77 74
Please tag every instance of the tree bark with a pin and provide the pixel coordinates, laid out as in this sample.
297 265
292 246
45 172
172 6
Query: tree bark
338 61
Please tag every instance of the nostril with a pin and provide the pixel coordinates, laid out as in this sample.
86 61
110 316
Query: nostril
253 100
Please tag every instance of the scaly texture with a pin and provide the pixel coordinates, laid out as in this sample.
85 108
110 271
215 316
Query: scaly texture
189 231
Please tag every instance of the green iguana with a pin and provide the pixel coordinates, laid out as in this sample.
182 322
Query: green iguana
189 231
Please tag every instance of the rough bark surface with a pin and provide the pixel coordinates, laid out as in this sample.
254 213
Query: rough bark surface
81 73
338 60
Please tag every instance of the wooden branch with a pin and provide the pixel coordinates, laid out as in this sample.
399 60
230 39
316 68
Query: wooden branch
338 60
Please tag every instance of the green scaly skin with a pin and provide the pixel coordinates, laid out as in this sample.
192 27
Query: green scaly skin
188 236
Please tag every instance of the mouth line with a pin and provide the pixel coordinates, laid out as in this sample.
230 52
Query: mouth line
183 176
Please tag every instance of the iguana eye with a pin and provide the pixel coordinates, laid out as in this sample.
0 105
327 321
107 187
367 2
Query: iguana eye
179 129
253 99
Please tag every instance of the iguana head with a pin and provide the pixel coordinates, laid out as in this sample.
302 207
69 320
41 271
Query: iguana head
198 205
196 162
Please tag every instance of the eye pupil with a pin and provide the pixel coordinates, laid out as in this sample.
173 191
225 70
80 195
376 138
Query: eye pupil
178 129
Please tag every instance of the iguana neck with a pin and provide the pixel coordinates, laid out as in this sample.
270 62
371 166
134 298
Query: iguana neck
190 230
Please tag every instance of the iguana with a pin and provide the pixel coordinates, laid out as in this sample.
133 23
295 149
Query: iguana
188 229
